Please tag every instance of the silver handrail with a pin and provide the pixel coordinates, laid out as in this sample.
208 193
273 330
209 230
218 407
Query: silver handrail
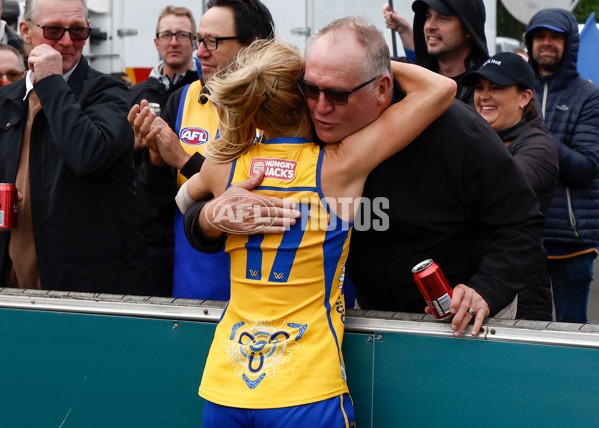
357 321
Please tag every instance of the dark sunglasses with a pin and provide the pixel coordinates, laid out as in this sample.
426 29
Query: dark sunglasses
54 32
334 96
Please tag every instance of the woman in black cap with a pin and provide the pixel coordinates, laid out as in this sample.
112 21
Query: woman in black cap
503 96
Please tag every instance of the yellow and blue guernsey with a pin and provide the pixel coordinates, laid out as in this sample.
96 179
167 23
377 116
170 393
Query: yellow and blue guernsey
196 275
196 122
278 343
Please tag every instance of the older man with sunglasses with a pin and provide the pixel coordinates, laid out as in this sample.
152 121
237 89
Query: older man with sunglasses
454 195
65 142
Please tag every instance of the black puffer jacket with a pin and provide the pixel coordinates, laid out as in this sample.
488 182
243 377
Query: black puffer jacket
571 111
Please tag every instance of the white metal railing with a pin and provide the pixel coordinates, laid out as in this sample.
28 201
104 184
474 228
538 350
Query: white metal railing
358 321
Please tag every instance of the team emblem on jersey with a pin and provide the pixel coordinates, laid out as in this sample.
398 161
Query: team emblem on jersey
341 277
279 169
194 136
259 348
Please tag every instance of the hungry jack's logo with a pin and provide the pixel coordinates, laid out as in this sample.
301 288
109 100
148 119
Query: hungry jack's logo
279 169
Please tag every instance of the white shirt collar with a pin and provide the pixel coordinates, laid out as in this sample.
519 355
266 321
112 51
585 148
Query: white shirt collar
29 83
3 36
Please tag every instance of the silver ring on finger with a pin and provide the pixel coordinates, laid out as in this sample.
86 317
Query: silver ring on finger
471 311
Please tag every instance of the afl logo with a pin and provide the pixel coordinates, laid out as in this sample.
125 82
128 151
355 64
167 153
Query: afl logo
194 136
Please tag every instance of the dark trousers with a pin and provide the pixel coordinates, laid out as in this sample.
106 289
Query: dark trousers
571 281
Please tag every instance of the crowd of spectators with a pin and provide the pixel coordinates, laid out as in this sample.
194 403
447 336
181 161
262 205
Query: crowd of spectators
97 210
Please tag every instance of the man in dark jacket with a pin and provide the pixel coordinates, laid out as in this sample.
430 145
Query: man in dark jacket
65 141
570 106
454 195
174 33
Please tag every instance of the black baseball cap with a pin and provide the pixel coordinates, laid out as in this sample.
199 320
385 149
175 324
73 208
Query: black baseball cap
505 69
438 5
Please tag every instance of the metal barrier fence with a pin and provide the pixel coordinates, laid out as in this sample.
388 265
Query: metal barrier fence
84 360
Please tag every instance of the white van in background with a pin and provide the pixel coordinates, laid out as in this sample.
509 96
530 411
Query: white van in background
123 32
507 44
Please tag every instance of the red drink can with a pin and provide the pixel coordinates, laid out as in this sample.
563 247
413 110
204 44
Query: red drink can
434 287
8 206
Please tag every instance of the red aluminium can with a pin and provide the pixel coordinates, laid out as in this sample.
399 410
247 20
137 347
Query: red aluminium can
8 206
434 287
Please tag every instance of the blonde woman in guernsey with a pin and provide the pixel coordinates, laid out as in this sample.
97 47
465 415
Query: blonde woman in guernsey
276 356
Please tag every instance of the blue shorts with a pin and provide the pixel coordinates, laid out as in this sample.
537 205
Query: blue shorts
336 412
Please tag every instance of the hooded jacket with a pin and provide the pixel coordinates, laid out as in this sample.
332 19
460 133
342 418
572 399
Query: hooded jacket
570 106
471 14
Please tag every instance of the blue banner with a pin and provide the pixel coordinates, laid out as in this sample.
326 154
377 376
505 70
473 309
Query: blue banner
588 53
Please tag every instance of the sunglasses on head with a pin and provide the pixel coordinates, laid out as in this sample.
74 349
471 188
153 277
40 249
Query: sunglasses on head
334 96
54 32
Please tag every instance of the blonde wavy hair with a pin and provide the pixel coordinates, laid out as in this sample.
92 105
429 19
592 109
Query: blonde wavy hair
258 91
